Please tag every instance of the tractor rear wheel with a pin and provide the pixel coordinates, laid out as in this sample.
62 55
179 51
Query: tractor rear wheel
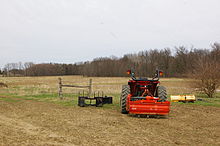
162 93
124 93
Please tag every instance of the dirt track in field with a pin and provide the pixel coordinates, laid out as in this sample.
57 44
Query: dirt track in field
28 122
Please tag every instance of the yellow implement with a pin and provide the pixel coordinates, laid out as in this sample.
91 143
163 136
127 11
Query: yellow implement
183 98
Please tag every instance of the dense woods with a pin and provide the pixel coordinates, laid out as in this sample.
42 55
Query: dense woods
179 62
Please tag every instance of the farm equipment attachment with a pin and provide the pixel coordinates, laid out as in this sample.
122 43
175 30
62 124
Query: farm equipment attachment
144 96
97 100
183 98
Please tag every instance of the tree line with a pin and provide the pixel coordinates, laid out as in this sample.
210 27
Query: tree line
178 63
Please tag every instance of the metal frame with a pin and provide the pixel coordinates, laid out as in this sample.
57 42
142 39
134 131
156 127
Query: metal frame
99 100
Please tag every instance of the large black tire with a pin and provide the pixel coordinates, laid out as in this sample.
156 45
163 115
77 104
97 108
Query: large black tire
123 100
162 93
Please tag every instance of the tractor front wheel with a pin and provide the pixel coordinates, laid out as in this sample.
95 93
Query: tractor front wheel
124 93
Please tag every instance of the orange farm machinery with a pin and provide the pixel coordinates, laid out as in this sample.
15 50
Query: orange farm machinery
144 96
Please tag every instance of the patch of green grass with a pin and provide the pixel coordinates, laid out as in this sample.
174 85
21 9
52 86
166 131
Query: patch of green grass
202 95
208 101
8 94
8 99
65 103
44 95
204 101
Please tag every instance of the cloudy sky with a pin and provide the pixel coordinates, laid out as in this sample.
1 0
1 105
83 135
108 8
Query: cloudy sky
78 30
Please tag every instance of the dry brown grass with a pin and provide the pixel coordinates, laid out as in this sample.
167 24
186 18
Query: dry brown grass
109 85
178 85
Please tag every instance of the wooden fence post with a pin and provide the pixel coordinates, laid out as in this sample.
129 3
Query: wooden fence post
60 89
90 87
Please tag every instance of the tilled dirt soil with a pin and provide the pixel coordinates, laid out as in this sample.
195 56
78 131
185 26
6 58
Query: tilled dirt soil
28 122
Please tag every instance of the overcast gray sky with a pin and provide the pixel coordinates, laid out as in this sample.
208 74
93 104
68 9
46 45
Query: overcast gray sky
78 30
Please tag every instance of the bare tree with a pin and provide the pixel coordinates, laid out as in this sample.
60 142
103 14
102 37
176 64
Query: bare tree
7 68
207 72
27 65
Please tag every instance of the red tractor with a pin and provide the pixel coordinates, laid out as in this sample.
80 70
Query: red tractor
144 96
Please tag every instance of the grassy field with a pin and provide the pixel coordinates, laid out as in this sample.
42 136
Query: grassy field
46 88
31 113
